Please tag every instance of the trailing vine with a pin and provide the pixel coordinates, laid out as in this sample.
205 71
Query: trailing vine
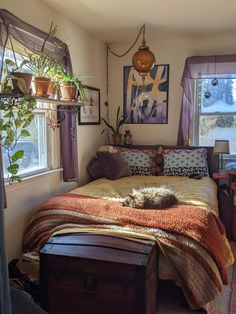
16 116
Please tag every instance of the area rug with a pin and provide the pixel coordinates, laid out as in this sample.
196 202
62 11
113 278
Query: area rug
225 303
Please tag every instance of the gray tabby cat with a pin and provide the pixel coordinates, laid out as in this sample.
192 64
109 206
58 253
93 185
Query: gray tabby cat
151 197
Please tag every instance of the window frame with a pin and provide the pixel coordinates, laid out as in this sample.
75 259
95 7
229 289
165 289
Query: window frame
195 124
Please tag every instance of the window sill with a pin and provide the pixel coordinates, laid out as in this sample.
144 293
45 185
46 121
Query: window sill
37 178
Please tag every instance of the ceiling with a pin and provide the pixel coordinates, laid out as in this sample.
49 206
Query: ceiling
120 20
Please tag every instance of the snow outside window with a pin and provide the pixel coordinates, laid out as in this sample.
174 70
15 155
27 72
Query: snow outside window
215 112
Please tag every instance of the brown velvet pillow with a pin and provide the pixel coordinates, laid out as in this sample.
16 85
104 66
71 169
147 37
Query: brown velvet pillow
94 169
113 165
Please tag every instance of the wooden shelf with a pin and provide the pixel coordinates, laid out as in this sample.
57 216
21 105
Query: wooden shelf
60 102
45 99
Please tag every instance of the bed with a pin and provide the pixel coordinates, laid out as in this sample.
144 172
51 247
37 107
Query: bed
194 250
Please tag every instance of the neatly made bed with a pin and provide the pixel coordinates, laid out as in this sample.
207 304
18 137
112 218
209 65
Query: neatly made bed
194 250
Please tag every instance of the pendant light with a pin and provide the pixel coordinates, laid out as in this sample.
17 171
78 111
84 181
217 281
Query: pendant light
143 60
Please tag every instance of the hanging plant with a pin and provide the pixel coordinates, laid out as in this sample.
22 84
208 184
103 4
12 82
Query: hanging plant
16 116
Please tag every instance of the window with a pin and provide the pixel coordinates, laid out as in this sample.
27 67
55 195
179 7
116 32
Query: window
41 147
214 111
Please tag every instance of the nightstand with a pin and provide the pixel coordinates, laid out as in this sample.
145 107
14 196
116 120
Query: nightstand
226 182
220 176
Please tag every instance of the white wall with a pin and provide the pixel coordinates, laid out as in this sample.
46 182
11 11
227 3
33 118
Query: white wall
172 50
88 59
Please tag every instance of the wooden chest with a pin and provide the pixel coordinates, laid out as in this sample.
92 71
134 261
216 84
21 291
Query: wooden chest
98 274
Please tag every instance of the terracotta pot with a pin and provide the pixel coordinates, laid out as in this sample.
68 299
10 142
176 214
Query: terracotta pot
68 91
40 85
27 77
53 91
117 138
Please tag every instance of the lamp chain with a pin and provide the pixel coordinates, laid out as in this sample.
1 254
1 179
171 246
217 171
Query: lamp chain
142 29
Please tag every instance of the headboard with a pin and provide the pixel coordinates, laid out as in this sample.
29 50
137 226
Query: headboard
212 159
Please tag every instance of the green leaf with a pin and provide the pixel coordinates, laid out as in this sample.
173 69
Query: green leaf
18 122
24 133
22 85
28 121
109 125
8 115
14 168
18 155
16 178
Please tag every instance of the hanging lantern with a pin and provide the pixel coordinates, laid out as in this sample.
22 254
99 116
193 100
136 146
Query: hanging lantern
143 59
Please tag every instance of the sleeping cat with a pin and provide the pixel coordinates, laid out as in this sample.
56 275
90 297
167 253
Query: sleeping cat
155 197
151 197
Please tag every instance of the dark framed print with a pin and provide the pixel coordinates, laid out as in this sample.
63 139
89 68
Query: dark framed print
89 112
146 102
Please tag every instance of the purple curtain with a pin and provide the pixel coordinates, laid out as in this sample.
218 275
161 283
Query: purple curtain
68 133
32 38
195 68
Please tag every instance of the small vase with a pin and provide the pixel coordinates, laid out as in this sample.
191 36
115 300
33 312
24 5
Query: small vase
117 139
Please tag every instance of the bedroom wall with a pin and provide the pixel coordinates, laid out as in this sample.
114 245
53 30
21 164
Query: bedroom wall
88 59
172 50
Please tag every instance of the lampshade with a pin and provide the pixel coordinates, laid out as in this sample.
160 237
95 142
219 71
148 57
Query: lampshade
221 147
143 60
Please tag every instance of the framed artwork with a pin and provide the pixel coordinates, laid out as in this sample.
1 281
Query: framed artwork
146 102
89 112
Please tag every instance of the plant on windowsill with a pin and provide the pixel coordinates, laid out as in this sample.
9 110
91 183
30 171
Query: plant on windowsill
71 87
55 73
16 116
16 80
40 64
120 120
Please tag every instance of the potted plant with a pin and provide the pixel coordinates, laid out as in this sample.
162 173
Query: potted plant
40 63
71 87
17 116
116 135
55 73
21 80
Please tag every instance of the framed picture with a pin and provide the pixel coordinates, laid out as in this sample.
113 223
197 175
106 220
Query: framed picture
89 112
146 102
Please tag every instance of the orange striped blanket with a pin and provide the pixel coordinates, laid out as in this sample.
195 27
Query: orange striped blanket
188 235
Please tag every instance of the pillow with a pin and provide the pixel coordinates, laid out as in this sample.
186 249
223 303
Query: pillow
138 162
113 165
94 169
184 162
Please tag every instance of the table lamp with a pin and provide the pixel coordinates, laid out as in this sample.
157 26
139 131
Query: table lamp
221 147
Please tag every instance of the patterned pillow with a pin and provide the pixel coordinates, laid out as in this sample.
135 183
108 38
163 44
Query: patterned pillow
139 163
184 162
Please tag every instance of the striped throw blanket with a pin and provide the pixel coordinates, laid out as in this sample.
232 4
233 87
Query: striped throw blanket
192 238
